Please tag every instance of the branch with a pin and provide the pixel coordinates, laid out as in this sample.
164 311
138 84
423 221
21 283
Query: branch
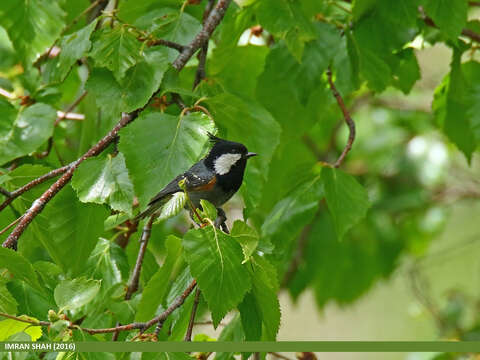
465 32
163 42
202 55
40 203
211 23
32 184
133 283
132 326
347 117
188 335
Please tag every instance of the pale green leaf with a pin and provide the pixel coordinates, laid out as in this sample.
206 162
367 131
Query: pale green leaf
246 236
105 180
72 294
11 327
173 206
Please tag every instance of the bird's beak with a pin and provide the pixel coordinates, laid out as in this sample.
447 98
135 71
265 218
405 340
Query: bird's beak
251 154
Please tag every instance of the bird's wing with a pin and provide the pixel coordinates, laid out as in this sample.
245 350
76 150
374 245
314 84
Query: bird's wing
198 178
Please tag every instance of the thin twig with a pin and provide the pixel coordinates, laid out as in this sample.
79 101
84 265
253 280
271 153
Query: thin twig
63 115
465 32
160 319
163 42
9 226
32 184
5 192
188 334
347 117
134 279
132 326
214 18
202 55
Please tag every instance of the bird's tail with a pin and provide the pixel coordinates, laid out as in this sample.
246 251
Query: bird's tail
150 210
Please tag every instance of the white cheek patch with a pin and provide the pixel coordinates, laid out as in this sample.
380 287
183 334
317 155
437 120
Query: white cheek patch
224 163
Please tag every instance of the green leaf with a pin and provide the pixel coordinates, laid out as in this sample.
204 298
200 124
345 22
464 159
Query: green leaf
60 227
406 72
209 211
347 200
8 304
73 47
105 180
30 301
449 15
293 212
153 295
285 19
32 25
215 261
264 290
144 79
108 263
172 207
170 145
116 49
251 318
32 127
20 267
455 104
72 294
246 236
10 327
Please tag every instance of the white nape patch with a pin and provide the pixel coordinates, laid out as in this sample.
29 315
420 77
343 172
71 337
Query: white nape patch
224 163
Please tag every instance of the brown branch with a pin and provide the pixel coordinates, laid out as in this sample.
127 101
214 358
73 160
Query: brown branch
40 203
465 32
211 23
474 3
188 335
202 55
347 117
132 326
163 42
134 279
279 356
32 184
5 192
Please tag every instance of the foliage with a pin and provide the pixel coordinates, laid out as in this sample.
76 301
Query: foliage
306 224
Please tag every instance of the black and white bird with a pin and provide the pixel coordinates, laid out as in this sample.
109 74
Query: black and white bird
215 178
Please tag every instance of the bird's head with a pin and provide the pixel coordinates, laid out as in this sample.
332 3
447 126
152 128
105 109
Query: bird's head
226 155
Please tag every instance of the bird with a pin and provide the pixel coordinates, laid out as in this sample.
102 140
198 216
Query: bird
215 178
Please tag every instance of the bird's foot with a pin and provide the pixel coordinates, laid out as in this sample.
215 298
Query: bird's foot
220 221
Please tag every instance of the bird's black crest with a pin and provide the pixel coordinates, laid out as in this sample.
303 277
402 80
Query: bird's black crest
212 138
